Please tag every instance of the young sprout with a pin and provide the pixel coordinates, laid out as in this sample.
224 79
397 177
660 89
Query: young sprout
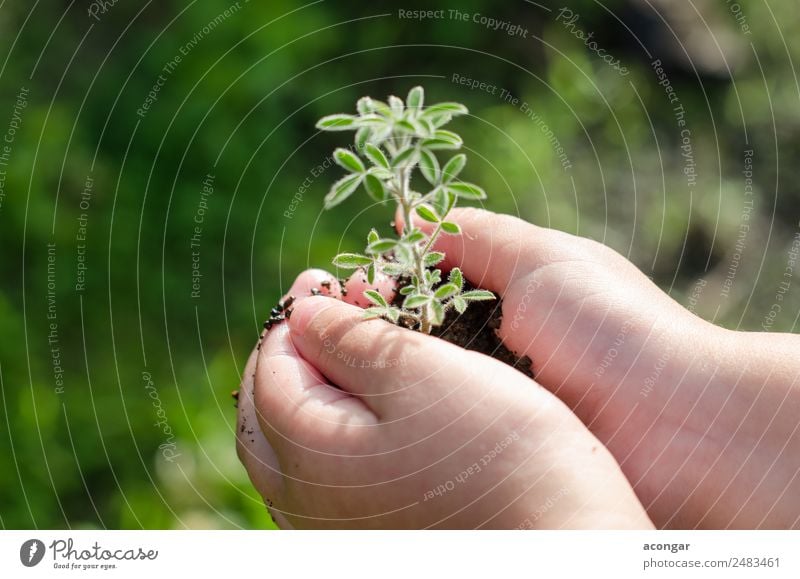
393 140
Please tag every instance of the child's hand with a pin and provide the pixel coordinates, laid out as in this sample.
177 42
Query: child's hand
418 433
702 420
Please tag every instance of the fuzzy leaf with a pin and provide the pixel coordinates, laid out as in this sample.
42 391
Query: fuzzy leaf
342 189
363 135
427 213
416 301
478 295
393 269
376 298
381 173
351 260
436 313
429 166
432 258
370 121
375 187
456 278
416 98
451 228
438 120
372 236
380 246
415 236
443 140
406 290
396 105
459 304
406 126
339 122
407 156
364 105
348 160
467 191
442 201
371 274
373 313
453 167
453 109
376 156
445 291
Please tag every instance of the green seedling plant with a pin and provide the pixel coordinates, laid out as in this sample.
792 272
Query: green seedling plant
392 141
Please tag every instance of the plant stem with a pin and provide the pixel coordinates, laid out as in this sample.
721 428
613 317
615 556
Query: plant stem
405 201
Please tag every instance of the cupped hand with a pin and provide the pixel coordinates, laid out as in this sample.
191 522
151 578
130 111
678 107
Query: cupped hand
695 415
362 424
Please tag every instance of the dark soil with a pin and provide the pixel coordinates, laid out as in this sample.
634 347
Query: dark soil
476 329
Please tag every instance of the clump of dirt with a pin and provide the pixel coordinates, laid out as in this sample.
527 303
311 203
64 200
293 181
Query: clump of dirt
476 329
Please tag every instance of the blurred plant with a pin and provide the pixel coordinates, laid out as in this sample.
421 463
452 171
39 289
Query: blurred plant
394 139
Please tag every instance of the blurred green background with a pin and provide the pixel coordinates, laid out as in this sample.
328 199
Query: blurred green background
116 379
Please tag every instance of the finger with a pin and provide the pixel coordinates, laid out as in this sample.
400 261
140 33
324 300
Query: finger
394 370
494 249
358 283
255 453
313 281
295 405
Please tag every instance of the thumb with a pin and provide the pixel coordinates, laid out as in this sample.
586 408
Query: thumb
395 371
494 249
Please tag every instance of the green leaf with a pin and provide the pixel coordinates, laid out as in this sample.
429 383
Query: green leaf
427 213
429 166
396 105
393 269
371 274
436 313
467 191
375 187
348 160
373 313
453 167
351 260
453 109
405 290
451 228
414 236
456 278
370 121
372 236
407 156
416 98
432 258
362 136
442 201
337 122
393 314
381 173
376 298
416 301
381 108
406 126
364 105
381 246
342 189
445 291
439 120
478 295
443 140
376 156
460 304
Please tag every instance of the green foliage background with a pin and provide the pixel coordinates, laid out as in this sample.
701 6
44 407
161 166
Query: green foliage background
241 105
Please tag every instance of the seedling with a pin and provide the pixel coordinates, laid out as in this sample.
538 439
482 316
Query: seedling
392 141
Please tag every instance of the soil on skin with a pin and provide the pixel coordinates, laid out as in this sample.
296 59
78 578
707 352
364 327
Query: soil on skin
476 329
